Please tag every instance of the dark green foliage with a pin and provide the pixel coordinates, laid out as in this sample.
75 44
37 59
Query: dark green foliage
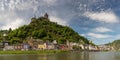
77 48
115 44
2 32
42 28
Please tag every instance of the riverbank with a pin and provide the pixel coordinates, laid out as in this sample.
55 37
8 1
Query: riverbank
33 52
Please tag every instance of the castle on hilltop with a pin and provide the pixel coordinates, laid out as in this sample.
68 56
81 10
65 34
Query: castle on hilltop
45 16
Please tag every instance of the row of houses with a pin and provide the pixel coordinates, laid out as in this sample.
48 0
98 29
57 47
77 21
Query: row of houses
37 44
104 47
16 47
101 48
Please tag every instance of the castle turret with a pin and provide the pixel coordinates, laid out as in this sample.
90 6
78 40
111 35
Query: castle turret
46 15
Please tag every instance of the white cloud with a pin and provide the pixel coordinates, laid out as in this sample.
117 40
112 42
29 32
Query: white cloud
14 24
102 29
10 20
58 20
19 4
106 16
82 34
22 5
33 4
50 2
94 35
10 16
116 37
25 6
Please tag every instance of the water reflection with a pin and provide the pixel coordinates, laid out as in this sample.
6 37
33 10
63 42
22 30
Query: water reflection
59 56
66 56
104 56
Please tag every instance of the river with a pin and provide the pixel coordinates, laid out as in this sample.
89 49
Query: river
65 56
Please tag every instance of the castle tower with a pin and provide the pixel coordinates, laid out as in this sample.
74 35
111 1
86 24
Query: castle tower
46 15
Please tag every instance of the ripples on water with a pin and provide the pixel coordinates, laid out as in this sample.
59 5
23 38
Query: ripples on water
66 56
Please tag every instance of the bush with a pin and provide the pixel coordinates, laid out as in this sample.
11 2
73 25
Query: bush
76 48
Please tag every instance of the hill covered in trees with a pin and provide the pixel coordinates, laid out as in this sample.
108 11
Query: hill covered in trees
115 44
42 28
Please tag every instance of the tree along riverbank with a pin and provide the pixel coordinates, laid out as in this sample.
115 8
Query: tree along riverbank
33 52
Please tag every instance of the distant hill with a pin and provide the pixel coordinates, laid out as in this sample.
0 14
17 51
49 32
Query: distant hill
115 44
42 28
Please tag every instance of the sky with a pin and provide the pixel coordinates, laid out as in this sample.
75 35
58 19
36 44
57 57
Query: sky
97 20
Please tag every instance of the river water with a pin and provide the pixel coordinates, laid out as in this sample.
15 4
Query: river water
65 56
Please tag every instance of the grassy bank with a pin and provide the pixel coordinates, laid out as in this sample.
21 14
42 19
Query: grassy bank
33 52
